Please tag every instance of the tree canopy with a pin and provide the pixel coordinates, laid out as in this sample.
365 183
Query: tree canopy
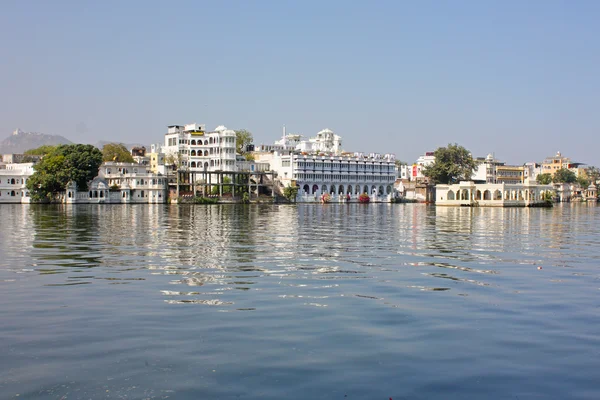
583 181
74 162
242 139
452 164
544 179
593 174
116 152
564 175
40 151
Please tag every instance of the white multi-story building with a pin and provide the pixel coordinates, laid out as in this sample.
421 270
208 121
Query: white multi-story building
319 166
197 150
415 171
128 183
531 171
13 180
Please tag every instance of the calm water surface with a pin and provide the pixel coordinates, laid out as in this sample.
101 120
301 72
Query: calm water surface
299 302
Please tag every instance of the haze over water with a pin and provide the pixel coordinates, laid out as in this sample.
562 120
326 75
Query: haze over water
299 302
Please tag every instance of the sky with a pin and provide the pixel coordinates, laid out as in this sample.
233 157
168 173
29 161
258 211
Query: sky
519 79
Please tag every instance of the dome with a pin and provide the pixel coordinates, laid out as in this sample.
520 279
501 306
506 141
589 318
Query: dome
99 184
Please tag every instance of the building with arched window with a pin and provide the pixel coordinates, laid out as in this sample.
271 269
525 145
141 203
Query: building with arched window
468 193
318 166
13 181
196 150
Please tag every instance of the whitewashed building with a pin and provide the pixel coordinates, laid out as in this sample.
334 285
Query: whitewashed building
198 150
120 183
318 166
13 181
468 193
415 171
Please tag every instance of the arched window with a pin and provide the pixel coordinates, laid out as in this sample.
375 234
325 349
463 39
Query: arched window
487 195
205 153
193 142
450 195
193 164
206 142
306 189
193 153
12 181
315 188
12 193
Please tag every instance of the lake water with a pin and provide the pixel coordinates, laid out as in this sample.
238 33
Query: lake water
299 302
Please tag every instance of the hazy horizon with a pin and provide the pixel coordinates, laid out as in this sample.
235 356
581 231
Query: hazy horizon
517 79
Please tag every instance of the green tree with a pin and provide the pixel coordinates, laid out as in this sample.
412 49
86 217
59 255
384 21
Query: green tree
452 164
593 173
40 151
78 163
116 152
564 175
242 139
583 181
290 193
544 179
226 187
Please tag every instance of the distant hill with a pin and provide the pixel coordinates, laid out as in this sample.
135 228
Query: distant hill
21 141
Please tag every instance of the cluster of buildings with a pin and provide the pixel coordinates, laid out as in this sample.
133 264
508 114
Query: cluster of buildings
495 183
193 161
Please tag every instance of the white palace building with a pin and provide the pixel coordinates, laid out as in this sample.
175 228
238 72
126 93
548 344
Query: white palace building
318 165
199 150
13 180
468 193
116 183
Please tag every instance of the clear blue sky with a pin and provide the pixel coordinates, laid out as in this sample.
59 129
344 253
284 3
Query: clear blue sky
517 78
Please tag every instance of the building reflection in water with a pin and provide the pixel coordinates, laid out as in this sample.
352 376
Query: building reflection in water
65 236
212 255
